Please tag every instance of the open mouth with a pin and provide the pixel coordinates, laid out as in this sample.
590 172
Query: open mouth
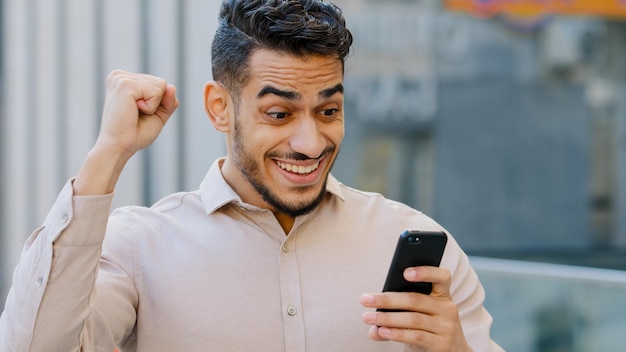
298 169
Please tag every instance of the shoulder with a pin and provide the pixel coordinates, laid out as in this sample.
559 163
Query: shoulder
353 197
171 209
375 209
166 206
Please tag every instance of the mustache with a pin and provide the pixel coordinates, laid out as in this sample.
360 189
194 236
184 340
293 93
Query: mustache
300 156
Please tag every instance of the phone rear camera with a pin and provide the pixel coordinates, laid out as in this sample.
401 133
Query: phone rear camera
413 239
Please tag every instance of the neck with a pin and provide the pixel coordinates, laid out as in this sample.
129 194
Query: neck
285 221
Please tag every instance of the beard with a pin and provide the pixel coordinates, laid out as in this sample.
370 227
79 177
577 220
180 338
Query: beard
250 169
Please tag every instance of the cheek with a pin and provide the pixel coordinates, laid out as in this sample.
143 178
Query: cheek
262 142
337 133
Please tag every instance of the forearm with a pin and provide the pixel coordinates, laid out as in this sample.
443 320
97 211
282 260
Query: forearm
99 172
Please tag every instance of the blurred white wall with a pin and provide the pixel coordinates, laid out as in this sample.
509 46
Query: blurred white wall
56 55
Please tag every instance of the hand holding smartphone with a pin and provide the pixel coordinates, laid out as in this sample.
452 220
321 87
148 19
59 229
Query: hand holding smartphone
414 248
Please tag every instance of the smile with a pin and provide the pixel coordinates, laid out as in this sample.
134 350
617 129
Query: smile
298 169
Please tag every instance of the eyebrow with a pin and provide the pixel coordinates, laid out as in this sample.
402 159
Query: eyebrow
327 93
291 95
287 94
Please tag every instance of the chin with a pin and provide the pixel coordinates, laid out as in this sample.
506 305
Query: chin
296 206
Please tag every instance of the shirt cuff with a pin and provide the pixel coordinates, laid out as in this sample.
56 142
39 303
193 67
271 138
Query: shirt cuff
78 220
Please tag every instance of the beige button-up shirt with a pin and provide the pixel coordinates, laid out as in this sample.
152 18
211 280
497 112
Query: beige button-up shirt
204 271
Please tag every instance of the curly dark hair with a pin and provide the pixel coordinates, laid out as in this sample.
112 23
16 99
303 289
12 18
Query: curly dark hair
295 27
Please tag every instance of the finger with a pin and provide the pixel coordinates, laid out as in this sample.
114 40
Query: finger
151 98
374 335
145 107
402 320
146 90
413 337
450 338
404 327
401 334
439 277
402 301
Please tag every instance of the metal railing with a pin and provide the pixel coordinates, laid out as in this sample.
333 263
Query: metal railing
551 307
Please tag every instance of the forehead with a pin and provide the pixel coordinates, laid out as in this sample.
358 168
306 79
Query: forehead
297 73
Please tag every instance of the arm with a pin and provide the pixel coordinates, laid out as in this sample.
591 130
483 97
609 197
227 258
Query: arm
51 304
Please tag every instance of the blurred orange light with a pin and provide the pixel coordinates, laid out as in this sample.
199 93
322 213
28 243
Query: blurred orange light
538 8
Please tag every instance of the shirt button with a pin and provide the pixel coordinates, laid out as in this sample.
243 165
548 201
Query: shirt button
65 218
291 310
40 281
285 247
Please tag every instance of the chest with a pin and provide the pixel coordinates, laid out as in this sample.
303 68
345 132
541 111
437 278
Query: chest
248 291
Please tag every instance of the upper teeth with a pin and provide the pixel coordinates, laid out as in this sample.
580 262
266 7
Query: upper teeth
299 168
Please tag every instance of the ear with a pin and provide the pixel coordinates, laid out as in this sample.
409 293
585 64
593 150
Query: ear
218 105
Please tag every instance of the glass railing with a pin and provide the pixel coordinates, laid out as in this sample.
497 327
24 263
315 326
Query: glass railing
541 307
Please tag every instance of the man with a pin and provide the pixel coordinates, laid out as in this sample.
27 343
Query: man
271 253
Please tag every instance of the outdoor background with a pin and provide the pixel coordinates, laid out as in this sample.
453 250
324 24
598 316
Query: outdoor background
503 120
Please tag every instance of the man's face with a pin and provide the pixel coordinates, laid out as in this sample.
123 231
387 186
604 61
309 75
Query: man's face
286 132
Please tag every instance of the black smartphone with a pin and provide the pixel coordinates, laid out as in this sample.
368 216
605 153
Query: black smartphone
414 248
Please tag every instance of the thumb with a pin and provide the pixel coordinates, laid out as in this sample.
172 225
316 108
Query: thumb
169 102
162 100
168 105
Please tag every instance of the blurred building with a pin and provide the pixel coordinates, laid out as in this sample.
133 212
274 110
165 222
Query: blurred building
505 129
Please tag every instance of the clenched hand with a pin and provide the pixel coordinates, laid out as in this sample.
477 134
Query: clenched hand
136 108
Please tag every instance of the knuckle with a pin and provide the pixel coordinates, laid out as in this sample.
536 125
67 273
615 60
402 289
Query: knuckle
416 320
415 299
382 319
418 337
156 82
383 300
118 82
114 75
162 82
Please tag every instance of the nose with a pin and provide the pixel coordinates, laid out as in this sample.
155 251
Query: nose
308 138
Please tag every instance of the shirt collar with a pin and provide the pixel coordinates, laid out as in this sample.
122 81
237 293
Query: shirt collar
215 192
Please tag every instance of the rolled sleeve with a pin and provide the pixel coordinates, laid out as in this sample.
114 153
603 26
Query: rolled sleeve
44 270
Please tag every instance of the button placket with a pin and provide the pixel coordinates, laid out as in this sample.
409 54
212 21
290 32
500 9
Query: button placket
291 295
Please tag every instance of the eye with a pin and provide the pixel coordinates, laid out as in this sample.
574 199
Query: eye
278 115
329 112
